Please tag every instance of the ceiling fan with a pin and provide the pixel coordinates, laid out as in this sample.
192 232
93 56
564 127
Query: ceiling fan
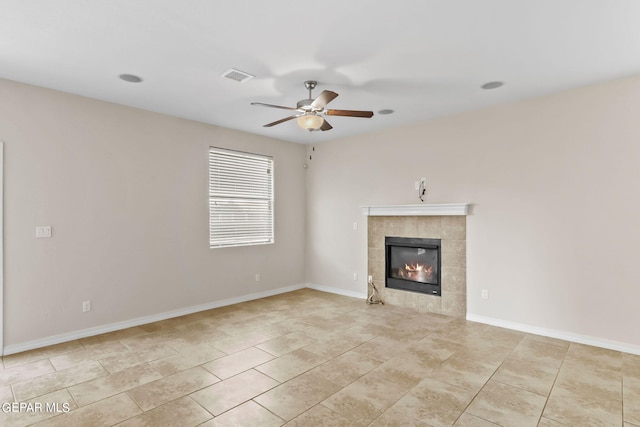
310 111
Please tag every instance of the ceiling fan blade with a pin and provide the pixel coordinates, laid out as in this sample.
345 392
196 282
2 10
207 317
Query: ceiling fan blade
349 113
277 122
326 126
323 99
273 106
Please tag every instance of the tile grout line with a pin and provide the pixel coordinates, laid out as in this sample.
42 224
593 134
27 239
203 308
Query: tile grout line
485 383
553 386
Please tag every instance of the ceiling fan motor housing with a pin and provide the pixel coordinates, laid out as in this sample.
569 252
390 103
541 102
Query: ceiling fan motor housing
305 105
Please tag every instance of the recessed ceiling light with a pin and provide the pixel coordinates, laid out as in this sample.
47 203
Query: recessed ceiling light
492 85
386 111
130 78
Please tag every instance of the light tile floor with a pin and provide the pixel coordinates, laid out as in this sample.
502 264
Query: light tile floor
308 358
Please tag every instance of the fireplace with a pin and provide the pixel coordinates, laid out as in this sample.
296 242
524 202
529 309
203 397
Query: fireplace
412 221
413 264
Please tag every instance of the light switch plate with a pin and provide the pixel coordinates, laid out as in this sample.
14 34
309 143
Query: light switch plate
43 231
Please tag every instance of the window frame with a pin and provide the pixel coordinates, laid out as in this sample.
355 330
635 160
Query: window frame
244 199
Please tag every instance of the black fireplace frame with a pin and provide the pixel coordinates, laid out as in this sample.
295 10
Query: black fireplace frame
410 285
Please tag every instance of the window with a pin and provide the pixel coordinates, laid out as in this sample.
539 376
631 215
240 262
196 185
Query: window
240 198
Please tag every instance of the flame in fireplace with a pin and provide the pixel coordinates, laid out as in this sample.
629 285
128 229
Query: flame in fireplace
417 268
417 272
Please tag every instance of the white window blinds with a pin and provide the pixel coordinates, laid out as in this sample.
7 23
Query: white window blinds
240 198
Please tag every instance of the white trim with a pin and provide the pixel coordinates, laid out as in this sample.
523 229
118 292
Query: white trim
337 291
57 339
1 247
553 333
417 210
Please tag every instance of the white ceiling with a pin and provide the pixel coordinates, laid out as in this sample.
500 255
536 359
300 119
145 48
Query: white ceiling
421 58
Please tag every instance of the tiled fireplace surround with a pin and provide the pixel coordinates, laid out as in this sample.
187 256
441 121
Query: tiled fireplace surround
452 231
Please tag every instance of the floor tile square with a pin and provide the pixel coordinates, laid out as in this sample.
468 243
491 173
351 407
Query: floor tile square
169 388
227 394
506 405
292 398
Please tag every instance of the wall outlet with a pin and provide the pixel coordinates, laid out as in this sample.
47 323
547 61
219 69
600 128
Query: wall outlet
416 184
86 306
355 276
370 279
484 294
257 277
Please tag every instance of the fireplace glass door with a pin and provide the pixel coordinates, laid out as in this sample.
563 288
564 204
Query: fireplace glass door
413 264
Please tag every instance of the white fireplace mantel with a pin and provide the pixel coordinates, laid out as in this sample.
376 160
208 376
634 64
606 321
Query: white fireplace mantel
417 210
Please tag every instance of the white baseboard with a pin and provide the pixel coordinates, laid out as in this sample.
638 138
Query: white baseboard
553 333
57 339
338 291
70 336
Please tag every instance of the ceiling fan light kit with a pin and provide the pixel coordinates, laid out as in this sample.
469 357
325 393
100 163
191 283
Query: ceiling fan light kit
310 122
310 110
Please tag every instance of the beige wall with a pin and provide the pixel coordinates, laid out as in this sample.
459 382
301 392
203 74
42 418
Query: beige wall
555 188
552 236
126 193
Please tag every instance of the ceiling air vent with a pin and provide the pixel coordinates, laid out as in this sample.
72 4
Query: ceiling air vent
237 75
